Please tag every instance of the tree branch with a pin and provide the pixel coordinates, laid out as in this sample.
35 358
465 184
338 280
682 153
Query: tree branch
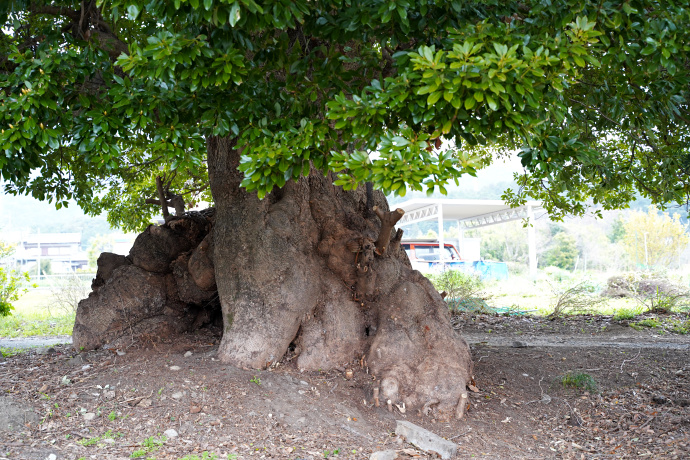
388 221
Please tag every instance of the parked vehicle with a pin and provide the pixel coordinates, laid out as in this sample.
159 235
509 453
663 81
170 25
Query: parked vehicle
425 256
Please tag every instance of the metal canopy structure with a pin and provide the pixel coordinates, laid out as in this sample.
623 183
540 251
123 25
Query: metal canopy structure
470 214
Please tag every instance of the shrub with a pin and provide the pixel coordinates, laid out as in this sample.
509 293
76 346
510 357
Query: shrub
580 380
464 291
66 294
653 291
578 299
11 288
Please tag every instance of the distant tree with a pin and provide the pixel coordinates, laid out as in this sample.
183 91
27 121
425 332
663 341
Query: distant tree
97 245
504 243
563 253
654 238
46 268
617 232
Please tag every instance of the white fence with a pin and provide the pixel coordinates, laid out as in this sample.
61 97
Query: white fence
50 281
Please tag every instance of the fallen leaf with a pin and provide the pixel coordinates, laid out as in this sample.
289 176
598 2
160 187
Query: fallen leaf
473 388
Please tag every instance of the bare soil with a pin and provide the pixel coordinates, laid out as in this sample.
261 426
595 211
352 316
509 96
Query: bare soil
640 407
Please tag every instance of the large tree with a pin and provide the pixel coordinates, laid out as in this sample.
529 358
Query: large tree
286 107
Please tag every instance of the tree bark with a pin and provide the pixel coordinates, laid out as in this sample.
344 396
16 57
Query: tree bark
290 270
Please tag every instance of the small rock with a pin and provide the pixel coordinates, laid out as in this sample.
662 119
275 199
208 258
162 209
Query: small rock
188 354
302 382
383 455
194 409
659 399
171 433
175 368
51 457
14 415
425 439
65 380
76 361
120 352
177 395
109 394
73 396
45 351
518 344
89 416
146 402
108 440
86 367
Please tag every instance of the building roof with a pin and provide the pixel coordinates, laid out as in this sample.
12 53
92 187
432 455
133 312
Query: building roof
470 213
52 238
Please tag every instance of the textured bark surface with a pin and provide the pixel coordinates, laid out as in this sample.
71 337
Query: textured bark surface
151 294
299 268
297 272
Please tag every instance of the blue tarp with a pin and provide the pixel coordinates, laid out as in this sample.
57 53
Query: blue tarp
486 270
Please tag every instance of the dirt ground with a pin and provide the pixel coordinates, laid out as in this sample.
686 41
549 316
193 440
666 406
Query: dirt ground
117 404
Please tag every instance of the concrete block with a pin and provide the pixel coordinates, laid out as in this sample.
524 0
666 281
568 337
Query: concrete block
383 455
425 439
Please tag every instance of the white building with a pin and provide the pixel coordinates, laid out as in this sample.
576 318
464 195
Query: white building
62 249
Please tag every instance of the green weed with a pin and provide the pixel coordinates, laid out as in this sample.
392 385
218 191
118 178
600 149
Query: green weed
579 380
96 439
204 456
625 314
680 327
649 322
8 352
149 445
256 380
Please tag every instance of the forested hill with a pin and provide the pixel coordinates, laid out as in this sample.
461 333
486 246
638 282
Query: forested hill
26 214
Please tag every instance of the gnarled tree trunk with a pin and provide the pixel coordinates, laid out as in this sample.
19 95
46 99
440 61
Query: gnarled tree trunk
306 267
300 267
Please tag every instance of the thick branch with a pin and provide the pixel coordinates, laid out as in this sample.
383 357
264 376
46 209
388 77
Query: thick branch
388 221
56 11
161 198
395 242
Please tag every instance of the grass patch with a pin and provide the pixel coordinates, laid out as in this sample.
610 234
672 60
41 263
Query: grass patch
32 317
7 352
649 322
579 380
680 327
22 324
626 314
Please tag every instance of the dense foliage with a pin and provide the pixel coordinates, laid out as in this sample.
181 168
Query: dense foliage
12 282
654 239
98 98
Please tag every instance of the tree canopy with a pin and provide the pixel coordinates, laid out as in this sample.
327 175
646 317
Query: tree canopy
101 97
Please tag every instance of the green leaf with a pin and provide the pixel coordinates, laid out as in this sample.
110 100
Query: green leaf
234 14
434 97
133 12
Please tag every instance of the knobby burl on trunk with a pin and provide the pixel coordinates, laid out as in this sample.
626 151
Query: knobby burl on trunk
310 268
